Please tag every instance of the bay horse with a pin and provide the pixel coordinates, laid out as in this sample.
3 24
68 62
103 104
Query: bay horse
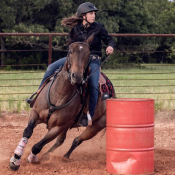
63 88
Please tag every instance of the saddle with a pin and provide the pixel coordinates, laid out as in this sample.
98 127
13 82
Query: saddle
43 85
106 89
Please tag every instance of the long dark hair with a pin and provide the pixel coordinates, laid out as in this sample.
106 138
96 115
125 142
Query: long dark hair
71 21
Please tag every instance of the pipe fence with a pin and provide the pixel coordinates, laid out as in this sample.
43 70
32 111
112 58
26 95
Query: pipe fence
155 81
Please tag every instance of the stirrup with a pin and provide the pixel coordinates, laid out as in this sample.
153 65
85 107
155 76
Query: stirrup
85 120
30 99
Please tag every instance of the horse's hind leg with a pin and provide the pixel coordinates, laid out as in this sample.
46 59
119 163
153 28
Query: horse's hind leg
16 158
89 132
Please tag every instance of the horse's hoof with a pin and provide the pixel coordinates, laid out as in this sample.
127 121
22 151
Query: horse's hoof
14 163
33 159
65 159
13 166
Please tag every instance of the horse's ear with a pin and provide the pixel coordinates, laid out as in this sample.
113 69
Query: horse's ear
90 39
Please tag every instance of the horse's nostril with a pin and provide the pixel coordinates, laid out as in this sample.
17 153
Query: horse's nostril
76 77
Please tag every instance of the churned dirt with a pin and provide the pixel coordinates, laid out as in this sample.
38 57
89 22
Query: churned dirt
89 158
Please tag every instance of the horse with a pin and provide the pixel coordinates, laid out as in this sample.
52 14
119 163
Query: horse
63 89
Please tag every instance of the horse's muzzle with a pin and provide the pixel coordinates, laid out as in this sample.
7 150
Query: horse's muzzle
76 78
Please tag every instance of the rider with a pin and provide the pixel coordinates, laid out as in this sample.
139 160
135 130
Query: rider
82 26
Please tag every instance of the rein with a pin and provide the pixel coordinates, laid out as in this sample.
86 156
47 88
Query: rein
85 80
51 106
69 65
89 60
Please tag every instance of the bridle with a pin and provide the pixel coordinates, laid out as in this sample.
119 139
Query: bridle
51 106
68 59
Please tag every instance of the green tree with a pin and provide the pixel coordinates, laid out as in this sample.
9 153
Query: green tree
118 16
16 16
163 12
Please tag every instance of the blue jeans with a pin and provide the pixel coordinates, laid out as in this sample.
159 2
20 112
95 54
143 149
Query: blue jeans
93 86
52 68
92 82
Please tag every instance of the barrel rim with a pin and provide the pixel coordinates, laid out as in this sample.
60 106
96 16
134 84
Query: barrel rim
130 99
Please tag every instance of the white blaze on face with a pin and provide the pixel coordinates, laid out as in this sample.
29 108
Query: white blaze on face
80 48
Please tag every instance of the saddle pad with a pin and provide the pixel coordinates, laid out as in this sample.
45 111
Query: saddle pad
107 87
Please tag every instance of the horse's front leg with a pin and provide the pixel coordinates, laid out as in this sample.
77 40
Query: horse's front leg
60 139
52 134
89 132
16 158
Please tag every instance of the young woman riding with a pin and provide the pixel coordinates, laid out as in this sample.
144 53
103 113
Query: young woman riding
82 26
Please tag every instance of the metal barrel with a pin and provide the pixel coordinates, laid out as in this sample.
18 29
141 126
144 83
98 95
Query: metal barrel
130 136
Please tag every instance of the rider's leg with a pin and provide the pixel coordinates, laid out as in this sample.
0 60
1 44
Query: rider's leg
50 70
93 86
93 89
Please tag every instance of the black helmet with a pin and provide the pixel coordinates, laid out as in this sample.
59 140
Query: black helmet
85 8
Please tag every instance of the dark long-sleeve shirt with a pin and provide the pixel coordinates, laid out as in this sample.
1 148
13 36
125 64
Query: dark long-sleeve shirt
79 33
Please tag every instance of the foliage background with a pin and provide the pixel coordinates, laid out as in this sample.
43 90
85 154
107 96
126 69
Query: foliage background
118 16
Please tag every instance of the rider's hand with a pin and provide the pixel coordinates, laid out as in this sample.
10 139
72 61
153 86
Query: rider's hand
109 50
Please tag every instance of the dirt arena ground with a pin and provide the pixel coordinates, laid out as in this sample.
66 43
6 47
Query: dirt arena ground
89 158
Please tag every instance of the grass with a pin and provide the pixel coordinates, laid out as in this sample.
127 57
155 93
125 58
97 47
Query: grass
17 86
149 81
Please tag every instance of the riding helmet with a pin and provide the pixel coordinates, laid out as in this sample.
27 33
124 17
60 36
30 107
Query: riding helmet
85 8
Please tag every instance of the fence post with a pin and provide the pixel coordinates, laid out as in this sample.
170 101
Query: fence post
2 49
50 50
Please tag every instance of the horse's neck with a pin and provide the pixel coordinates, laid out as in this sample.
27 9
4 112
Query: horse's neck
62 91
62 84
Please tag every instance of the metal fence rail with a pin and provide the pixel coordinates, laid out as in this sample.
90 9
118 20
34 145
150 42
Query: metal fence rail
131 86
50 36
168 81
109 73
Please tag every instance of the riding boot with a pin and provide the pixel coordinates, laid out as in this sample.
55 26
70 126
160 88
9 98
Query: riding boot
85 120
30 99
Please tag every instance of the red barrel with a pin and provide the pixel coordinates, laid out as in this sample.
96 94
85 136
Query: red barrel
130 136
